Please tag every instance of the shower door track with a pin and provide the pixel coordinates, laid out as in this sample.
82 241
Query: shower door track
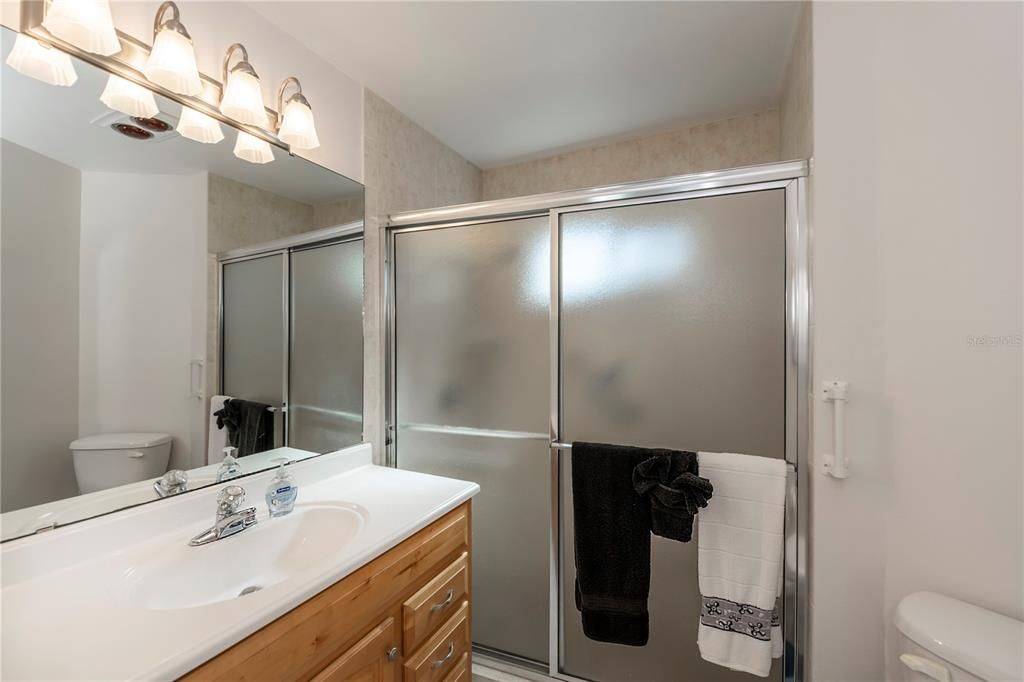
790 176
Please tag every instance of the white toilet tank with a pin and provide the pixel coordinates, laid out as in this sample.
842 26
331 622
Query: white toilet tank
113 459
949 640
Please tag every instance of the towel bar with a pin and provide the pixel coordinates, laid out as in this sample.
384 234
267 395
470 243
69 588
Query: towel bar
558 445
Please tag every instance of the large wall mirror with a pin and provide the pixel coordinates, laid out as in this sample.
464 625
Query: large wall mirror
163 300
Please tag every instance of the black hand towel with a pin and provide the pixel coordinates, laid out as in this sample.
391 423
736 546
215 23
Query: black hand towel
674 491
613 543
250 425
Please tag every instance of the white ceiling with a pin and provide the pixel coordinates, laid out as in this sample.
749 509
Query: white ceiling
72 126
504 81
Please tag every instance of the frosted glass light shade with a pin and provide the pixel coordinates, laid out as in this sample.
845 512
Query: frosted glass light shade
86 24
42 62
298 127
243 99
252 149
172 63
195 125
129 98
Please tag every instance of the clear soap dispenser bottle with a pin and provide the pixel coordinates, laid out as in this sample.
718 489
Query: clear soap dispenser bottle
282 491
229 465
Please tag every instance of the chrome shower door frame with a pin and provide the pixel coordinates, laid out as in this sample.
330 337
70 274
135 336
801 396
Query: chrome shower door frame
283 247
790 176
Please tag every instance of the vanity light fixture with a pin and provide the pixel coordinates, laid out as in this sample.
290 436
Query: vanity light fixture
37 60
252 149
129 98
195 125
298 128
86 24
172 61
242 98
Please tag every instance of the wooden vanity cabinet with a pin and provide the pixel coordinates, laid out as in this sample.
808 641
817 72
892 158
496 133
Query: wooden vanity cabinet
403 617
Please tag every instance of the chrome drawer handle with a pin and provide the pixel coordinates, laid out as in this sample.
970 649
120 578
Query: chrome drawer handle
442 604
441 661
392 653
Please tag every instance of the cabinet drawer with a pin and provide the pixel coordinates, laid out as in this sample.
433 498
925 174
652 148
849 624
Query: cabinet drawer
432 605
438 657
461 671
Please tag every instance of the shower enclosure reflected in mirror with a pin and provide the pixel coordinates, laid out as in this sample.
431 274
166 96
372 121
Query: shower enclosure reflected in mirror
163 300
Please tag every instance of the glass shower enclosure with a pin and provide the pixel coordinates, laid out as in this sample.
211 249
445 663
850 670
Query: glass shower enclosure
663 314
291 336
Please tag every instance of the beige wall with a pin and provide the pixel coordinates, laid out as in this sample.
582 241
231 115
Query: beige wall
406 167
796 130
917 253
338 212
41 216
242 215
727 143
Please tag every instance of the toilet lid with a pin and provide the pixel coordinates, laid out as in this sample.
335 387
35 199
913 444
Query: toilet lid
120 441
981 642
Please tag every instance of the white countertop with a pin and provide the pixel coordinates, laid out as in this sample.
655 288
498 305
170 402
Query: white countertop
65 611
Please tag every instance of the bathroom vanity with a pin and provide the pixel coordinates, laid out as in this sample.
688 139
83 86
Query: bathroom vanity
367 579
405 615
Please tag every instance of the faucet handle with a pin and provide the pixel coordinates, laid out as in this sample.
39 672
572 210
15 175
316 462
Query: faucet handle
229 499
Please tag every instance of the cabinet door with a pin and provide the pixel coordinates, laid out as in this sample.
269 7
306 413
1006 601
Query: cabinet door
374 658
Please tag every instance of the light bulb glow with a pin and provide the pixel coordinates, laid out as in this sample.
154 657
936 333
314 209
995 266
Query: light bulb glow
243 99
172 63
195 125
298 128
86 24
31 58
129 98
252 149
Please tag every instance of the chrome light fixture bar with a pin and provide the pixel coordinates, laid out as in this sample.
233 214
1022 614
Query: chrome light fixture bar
129 64
172 61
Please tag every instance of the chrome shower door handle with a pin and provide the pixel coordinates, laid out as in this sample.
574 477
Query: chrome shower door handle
441 661
449 598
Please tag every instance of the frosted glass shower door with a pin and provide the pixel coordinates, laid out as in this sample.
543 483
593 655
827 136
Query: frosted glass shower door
326 369
672 335
253 328
472 385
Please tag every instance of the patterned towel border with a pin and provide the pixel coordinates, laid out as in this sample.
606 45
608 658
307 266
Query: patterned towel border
743 619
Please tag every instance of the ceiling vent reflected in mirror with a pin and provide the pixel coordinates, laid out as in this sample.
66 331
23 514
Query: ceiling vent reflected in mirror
131 132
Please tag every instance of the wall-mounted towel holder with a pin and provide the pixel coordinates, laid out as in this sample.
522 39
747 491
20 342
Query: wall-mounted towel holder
835 464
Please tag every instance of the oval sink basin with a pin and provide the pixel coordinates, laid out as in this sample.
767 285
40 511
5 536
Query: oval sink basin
259 557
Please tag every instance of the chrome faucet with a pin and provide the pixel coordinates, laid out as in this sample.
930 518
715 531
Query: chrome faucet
230 519
173 482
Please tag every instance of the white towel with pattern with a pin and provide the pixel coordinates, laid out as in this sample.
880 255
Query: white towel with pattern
739 560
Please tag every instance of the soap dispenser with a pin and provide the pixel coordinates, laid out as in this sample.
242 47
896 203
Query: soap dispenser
282 491
229 466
